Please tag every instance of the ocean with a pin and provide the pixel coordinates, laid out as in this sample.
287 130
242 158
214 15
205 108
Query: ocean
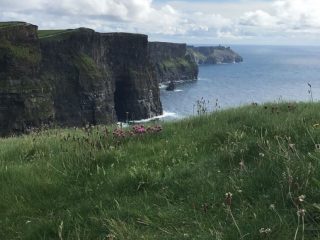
268 74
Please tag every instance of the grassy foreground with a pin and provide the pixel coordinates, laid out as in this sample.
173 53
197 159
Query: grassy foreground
175 184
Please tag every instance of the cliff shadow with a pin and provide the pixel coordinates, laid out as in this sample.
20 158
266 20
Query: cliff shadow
121 99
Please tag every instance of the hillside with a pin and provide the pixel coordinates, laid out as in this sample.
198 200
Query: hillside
96 183
172 62
214 55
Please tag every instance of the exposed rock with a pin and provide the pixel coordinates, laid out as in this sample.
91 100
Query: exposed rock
137 92
172 62
171 86
74 77
25 99
214 55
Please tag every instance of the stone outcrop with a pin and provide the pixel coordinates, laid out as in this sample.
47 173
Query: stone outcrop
25 99
214 55
172 62
136 85
73 78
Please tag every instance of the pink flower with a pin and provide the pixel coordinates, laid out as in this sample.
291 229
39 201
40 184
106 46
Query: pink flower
139 129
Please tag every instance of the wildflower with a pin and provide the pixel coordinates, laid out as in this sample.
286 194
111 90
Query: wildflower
228 199
261 154
265 230
119 133
139 129
111 236
301 198
272 207
242 166
292 146
301 212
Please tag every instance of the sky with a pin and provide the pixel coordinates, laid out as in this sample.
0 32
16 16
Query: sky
269 22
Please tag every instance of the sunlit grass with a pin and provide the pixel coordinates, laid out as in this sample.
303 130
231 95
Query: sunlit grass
171 184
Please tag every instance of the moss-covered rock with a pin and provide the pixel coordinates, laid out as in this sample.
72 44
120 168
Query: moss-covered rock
73 77
25 100
172 62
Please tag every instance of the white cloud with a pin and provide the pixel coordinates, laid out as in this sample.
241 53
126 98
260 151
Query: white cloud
286 15
183 21
258 18
299 14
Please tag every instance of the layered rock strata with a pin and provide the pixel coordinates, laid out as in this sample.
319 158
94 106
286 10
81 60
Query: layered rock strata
73 78
172 62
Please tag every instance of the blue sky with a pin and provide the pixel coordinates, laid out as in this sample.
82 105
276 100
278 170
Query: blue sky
275 22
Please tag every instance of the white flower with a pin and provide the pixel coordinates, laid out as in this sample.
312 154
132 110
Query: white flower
272 207
301 212
302 198
265 230
228 195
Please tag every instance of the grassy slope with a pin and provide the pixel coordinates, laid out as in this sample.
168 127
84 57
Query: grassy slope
10 24
69 184
54 34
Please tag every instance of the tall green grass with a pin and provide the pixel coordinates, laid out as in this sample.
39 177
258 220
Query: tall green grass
84 184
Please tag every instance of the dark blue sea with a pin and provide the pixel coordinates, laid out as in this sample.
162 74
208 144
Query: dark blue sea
268 74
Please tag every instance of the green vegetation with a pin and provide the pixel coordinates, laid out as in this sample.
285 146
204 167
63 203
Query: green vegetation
175 63
23 52
199 56
175 184
88 65
10 24
53 33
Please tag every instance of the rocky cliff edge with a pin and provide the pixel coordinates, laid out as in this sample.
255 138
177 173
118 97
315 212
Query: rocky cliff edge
73 77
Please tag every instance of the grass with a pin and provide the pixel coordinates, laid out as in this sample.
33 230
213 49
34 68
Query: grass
54 34
23 52
88 65
173 63
199 56
10 24
242 173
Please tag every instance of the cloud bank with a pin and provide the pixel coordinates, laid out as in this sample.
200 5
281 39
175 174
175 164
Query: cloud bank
280 20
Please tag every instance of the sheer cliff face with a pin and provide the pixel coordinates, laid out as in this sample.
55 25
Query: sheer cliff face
82 83
137 94
25 100
74 78
172 62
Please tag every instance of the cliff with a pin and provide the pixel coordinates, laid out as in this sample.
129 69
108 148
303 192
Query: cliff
25 99
172 62
214 55
73 77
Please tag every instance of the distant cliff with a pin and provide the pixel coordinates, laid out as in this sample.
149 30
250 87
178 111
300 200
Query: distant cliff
73 77
214 55
172 62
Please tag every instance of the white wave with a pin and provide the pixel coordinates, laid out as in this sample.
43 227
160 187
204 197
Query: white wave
178 90
164 115
162 86
203 79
